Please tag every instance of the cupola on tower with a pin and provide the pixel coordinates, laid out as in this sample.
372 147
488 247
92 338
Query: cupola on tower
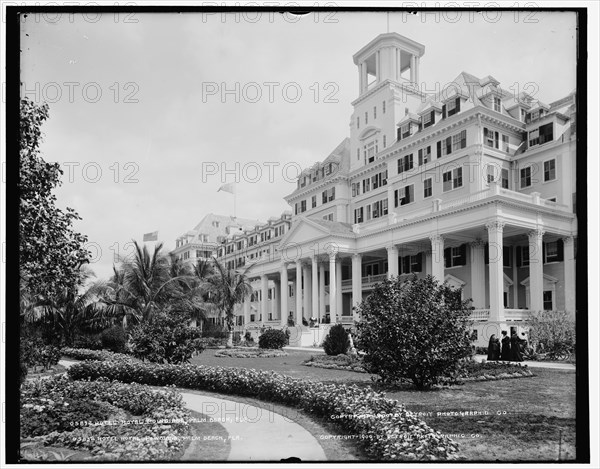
388 77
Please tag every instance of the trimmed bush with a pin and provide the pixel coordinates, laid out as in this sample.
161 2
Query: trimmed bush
273 339
114 339
337 341
88 341
416 330
96 355
385 428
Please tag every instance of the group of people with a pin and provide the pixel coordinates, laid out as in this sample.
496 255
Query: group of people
509 349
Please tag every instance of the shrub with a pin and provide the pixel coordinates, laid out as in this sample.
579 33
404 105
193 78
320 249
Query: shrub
272 339
88 341
166 338
337 341
99 355
248 337
387 430
552 332
415 330
33 353
114 339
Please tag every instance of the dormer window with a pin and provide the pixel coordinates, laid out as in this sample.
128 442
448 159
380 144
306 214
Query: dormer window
497 105
426 119
405 129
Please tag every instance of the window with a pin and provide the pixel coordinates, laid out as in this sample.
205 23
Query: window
452 179
427 188
553 251
366 118
410 264
457 141
455 256
405 130
505 143
290 290
506 256
358 153
384 142
404 196
328 217
526 177
497 105
370 150
379 179
491 138
383 107
549 170
331 194
425 155
314 201
548 303
405 163
358 122
534 137
523 256
358 215
355 189
366 185
490 174
451 108
453 143
374 112
426 119
379 208
546 133
303 206
504 178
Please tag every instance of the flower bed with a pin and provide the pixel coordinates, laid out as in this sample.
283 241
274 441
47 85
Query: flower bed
336 362
471 370
107 420
101 355
383 426
250 352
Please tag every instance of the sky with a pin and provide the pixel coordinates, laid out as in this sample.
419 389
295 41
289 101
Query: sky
151 113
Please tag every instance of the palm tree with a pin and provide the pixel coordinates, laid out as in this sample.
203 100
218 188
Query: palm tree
67 313
142 286
230 288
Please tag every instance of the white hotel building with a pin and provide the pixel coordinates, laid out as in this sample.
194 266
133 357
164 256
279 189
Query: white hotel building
475 186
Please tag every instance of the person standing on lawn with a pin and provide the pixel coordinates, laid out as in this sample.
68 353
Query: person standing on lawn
516 353
493 349
505 355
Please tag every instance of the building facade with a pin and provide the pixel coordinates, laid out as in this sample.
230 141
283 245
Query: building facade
474 185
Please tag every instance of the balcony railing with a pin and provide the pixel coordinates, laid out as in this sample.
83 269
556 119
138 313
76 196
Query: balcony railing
509 314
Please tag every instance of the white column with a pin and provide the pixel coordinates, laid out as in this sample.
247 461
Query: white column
264 283
321 292
298 293
276 301
417 60
307 291
536 270
413 70
284 295
392 252
338 286
437 257
569 261
332 289
496 280
428 262
246 311
356 283
478 274
315 287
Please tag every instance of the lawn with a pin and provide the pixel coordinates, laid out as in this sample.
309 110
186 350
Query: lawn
527 418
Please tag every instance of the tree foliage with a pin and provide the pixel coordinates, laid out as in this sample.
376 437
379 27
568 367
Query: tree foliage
166 338
415 330
552 331
337 341
50 250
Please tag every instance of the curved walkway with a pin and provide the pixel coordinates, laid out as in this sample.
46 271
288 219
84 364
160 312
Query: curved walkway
255 434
